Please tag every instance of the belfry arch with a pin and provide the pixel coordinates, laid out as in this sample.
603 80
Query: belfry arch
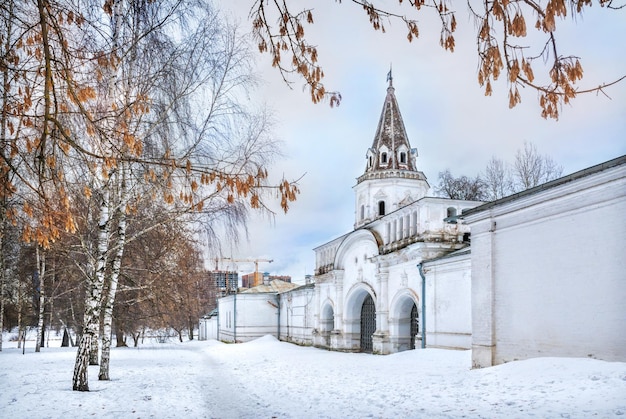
360 237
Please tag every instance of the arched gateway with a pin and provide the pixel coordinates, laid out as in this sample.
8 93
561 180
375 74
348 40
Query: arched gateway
368 324
415 324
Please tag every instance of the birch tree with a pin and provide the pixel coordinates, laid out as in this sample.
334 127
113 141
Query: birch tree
40 273
8 57
85 99
202 64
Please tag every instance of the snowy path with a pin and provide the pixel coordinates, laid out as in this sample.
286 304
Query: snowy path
158 381
270 379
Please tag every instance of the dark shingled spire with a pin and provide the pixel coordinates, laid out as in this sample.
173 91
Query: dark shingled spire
391 149
391 179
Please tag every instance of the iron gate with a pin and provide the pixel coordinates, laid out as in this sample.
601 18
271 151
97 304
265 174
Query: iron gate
368 324
415 325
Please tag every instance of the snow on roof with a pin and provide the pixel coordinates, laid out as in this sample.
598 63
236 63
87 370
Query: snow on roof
275 286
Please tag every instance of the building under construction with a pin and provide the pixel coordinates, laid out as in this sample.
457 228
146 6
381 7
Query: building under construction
226 282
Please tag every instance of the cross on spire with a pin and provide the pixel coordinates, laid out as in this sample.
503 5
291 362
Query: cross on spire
389 77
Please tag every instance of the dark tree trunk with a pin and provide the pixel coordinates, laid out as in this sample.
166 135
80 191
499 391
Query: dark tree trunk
120 337
191 327
42 343
136 337
66 338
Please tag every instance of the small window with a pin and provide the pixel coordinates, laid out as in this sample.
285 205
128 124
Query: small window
451 212
381 207
383 158
403 157
362 211
369 163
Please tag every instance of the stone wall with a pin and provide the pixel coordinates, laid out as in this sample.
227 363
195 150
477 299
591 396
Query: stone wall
549 271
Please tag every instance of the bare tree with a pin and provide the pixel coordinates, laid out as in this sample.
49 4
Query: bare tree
461 187
500 178
531 168
497 179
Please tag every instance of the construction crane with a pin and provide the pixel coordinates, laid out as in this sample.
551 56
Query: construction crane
256 265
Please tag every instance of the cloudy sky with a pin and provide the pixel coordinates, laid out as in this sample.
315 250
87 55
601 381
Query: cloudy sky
446 114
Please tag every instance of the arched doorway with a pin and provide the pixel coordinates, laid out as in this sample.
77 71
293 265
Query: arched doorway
415 324
404 328
368 324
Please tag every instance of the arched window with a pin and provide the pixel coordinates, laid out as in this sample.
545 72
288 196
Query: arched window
451 212
362 211
403 157
369 163
383 158
381 207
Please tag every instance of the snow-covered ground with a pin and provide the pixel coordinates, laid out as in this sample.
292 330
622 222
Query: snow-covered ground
271 379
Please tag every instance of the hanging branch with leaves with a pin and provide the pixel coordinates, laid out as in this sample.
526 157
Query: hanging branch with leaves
500 24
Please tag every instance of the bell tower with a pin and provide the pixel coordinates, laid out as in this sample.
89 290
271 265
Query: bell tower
391 179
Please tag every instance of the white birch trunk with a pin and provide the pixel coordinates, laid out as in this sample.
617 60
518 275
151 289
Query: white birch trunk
41 271
3 128
2 275
91 323
19 315
87 348
115 273
20 305
1 295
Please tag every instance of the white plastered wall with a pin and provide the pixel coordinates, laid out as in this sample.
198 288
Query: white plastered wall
549 273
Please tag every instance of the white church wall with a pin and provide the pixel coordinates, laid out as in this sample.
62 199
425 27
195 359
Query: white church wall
208 328
225 306
297 315
248 316
448 302
548 273
325 312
